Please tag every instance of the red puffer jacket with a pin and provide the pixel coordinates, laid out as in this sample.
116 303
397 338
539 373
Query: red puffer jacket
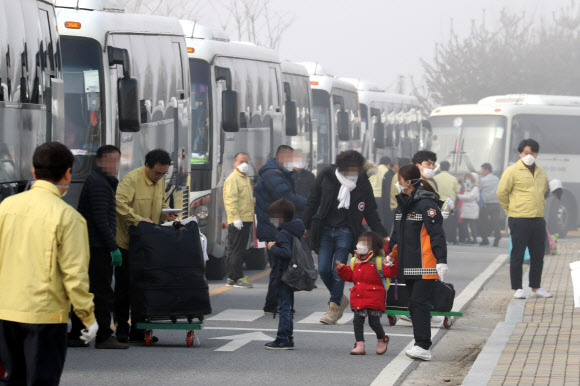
368 290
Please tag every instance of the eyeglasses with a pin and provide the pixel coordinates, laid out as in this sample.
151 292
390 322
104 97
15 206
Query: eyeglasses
158 174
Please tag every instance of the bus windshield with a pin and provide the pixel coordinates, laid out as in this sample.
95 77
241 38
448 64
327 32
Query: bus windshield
321 115
200 113
468 141
83 127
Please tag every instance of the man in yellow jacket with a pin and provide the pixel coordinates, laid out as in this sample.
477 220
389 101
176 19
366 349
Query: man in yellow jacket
239 203
448 188
44 260
377 184
521 192
140 197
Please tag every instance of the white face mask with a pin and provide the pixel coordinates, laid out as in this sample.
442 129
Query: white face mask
399 187
528 159
428 173
65 192
351 176
289 166
243 167
362 249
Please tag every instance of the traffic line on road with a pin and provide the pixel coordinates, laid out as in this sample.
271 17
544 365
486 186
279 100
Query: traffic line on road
238 315
314 318
225 288
298 331
393 371
241 340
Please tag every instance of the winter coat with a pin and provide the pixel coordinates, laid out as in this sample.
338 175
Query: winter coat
98 206
368 290
283 248
323 198
418 239
304 182
470 204
274 183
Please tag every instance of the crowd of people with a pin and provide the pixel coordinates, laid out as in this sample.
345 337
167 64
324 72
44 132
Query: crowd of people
394 220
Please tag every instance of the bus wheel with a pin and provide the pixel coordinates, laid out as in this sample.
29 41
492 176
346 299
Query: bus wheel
256 259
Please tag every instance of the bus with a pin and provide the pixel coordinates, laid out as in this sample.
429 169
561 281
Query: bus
335 115
391 124
126 83
238 104
31 87
469 135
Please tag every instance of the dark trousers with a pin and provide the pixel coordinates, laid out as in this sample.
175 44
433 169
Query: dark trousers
32 354
285 302
471 229
100 276
450 228
122 296
420 308
273 284
237 246
490 221
530 233
359 326
381 210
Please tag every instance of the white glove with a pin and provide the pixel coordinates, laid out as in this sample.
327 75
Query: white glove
445 215
238 224
449 205
89 333
442 271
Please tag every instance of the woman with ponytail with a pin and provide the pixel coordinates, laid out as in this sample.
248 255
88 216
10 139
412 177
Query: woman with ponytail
420 246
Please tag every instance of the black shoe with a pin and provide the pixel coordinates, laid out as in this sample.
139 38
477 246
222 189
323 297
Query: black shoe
76 343
280 344
496 242
122 334
111 343
270 310
484 242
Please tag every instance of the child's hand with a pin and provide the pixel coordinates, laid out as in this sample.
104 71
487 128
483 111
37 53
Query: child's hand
339 265
270 244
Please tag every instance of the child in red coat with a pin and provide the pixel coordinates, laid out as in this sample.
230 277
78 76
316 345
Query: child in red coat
368 296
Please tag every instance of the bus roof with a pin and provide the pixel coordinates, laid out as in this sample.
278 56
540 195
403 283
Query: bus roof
320 79
529 99
504 110
93 5
294 68
369 92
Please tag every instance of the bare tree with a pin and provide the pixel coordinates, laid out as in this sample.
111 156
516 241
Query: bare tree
182 9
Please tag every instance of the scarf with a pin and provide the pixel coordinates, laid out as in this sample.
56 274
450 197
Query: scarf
346 186
364 259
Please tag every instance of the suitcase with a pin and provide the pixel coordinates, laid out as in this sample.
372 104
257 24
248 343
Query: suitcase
167 272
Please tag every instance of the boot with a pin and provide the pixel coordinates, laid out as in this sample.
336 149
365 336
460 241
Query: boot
359 349
325 316
382 345
332 315
343 304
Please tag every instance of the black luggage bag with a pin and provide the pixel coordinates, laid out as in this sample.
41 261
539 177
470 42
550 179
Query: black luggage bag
397 296
167 272
443 296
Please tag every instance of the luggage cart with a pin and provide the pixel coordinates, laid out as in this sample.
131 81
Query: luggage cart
447 322
188 325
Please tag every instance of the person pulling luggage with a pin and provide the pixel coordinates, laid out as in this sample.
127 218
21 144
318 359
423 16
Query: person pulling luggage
140 197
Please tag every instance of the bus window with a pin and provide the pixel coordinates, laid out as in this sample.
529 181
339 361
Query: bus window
178 66
200 113
321 113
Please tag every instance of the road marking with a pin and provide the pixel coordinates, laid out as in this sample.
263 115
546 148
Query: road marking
251 278
299 331
393 371
241 340
315 318
237 315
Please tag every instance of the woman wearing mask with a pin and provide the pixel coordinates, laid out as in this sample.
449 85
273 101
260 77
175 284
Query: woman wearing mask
341 198
470 206
419 243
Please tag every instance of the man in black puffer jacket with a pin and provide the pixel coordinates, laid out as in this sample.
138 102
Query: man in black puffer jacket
98 206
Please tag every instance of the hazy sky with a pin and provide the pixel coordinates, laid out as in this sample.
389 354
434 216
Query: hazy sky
377 40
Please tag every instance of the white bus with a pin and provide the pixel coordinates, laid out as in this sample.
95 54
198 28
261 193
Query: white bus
391 124
31 87
126 82
335 115
490 131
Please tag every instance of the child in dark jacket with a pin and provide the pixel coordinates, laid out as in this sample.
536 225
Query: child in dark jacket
368 296
281 214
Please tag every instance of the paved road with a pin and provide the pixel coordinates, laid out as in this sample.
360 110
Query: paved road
321 355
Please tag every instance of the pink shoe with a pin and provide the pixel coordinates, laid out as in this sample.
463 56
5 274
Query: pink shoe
382 345
359 349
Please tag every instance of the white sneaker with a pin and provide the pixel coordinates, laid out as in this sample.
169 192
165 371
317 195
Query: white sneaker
436 319
419 353
541 293
520 294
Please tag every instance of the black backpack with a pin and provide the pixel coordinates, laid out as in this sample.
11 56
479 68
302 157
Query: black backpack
301 274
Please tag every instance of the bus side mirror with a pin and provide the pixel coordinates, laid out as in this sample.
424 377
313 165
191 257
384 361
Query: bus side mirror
230 111
379 135
291 118
343 123
129 110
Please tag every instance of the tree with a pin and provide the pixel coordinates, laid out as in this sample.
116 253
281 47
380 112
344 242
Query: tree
182 9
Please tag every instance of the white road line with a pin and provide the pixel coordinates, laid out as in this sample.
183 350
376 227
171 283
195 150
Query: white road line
314 318
393 371
238 315
299 331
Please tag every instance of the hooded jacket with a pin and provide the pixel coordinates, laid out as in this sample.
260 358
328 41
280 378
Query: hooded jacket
418 239
274 183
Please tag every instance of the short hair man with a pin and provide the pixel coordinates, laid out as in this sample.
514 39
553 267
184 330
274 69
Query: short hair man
425 161
44 255
490 213
523 200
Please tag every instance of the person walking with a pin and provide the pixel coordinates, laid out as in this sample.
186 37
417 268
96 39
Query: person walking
239 203
376 181
419 244
44 260
521 192
448 189
342 197
469 211
98 206
490 213
275 182
303 178
386 193
140 197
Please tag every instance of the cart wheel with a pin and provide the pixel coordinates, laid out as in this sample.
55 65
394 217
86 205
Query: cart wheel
190 337
148 335
447 322
392 319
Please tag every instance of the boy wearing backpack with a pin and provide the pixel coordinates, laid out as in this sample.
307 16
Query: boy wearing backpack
369 270
281 214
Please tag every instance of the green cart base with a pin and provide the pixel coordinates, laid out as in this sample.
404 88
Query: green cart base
447 322
189 327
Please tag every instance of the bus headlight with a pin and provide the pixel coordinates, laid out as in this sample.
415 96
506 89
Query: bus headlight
200 209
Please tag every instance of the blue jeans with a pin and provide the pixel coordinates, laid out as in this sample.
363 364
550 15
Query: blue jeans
285 301
335 244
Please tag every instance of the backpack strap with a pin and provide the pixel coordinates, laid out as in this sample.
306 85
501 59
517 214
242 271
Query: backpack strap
379 262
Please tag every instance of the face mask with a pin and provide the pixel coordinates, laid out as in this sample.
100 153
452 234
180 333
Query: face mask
289 166
243 167
399 187
362 249
428 173
528 159
467 182
275 222
66 191
351 177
